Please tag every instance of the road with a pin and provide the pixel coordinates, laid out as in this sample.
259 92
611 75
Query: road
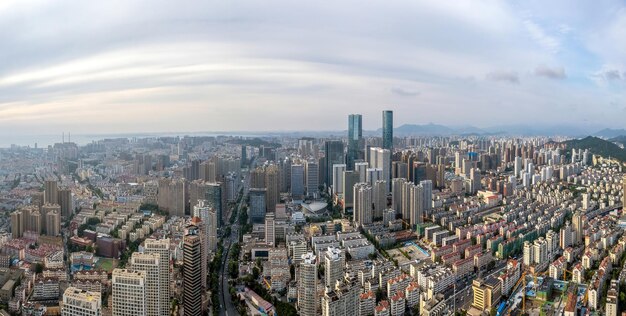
227 308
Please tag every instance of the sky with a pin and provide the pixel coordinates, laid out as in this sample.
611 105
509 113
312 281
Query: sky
189 66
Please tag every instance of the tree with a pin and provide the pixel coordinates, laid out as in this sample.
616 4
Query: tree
255 273
38 268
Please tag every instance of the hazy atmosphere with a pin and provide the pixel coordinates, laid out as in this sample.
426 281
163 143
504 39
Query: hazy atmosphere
165 66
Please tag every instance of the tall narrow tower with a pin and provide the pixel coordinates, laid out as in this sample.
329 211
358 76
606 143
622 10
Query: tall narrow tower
162 248
192 272
388 129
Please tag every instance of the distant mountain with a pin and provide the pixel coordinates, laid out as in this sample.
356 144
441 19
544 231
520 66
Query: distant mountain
610 133
597 146
619 139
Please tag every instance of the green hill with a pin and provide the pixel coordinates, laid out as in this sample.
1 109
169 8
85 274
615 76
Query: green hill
597 146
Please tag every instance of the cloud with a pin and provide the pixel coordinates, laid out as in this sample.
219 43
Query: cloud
505 76
404 92
539 35
609 75
550 73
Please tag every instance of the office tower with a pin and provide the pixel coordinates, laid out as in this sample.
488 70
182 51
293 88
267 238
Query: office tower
53 223
297 181
214 197
350 178
79 302
362 204
361 168
312 178
427 187
379 197
337 185
307 285
51 192
388 130
355 140
333 151
270 229
244 156
129 292
17 224
192 272
577 223
334 261
257 205
66 202
161 247
149 263
272 184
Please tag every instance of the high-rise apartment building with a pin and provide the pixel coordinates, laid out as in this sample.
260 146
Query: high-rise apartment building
149 263
337 181
307 286
362 204
577 224
17 224
270 229
77 302
192 272
66 202
162 248
272 184
355 140
334 261
51 192
53 223
129 292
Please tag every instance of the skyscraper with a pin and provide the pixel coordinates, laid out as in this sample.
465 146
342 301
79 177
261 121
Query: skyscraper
149 263
257 205
577 223
80 302
333 150
388 130
350 178
312 178
53 223
192 272
214 199
307 286
161 247
297 181
129 292
355 140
